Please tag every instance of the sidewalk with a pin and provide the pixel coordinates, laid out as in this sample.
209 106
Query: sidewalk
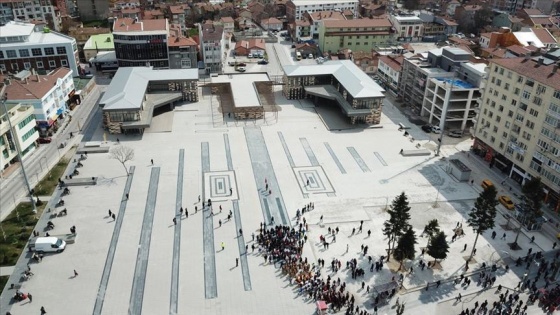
6 271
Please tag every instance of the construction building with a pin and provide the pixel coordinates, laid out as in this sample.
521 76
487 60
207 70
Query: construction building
129 102
338 83
518 128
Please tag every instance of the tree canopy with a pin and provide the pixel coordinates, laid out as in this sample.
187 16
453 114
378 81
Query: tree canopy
405 246
438 247
122 154
482 216
398 221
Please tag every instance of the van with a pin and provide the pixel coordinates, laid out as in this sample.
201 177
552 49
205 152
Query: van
48 244
486 183
298 55
250 56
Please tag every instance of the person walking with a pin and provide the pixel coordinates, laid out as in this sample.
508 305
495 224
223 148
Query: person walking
110 213
43 312
175 221
75 273
220 222
465 247
126 196
223 246
114 217
152 160
503 236
236 262
30 297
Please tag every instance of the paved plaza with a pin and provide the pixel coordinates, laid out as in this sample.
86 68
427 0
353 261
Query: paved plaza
141 262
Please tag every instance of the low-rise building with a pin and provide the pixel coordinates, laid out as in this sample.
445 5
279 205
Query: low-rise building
253 46
407 27
315 20
183 51
26 46
98 43
272 24
339 83
23 136
228 23
129 102
141 43
359 34
49 94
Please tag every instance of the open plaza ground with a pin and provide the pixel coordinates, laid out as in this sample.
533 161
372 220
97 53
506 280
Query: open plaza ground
142 262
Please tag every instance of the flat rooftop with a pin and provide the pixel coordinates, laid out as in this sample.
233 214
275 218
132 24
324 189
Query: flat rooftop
243 87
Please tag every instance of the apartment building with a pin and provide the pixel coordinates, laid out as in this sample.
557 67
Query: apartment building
518 128
45 11
23 135
296 8
90 10
25 46
212 46
141 43
359 34
49 94
389 70
183 51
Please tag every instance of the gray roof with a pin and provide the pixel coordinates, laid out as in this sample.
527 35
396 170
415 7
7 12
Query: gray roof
354 80
128 87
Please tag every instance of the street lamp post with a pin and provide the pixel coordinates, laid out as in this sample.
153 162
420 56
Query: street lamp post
3 99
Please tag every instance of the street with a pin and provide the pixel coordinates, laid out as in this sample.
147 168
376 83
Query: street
41 160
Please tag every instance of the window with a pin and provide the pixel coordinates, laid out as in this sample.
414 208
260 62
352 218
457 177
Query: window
28 134
500 108
492 139
508 124
49 51
40 64
25 121
504 97
504 135
530 82
513 102
64 62
52 64
506 86
498 82
36 52
11 53
27 65
519 79
509 74
529 124
24 53
555 95
501 71
526 95
516 91
493 104
3 67
498 118
533 112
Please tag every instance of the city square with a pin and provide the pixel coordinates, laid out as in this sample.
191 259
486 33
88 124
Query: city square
267 171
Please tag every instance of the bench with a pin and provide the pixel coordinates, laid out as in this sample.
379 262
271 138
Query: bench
402 126
85 150
419 152
84 181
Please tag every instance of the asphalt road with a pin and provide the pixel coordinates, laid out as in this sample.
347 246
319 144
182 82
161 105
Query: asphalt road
12 188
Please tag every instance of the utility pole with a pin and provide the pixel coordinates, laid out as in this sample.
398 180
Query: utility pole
3 98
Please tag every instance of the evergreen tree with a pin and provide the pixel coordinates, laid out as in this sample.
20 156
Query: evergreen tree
431 229
398 221
438 247
405 246
481 217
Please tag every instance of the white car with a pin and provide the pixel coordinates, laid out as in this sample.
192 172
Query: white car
436 129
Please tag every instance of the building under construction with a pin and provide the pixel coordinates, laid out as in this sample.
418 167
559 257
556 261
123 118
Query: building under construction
337 83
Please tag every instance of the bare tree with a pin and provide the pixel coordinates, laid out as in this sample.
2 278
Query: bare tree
122 154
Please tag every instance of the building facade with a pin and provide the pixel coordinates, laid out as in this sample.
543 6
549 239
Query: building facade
90 10
407 27
23 136
25 46
359 34
49 94
45 11
141 43
517 130
389 70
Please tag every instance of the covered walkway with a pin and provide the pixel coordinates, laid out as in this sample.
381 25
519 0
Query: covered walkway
329 92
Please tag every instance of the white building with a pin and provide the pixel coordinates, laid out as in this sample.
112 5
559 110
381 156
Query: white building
38 10
408 26
48 94
23 135
212 46
26 46
296 8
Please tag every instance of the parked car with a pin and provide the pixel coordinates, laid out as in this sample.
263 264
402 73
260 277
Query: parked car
455 134
241 69
427 128
242 64
263 62
486 183
506 202
250 55
45 140
436 129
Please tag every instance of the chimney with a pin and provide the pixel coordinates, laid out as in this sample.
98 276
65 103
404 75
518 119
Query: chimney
541 61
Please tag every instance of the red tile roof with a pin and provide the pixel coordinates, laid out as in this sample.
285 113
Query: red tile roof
394 63
35 89
129 25
530 68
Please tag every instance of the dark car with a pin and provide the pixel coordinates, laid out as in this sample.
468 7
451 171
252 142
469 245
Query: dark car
427 128
263 62
242 64
44 140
